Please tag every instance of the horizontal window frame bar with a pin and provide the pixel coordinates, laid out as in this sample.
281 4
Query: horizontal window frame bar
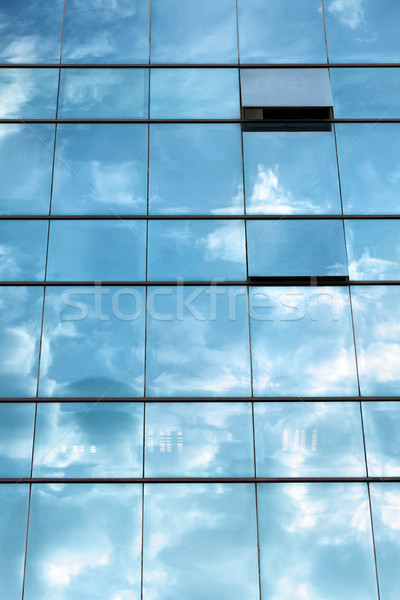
135 121
182 217
266 282
199 400
237 65
193 480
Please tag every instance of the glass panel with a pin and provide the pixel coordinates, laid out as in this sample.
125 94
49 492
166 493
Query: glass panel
291 173
20 321
200 542
199 440
104 93
366 92
273 248
281 32
28 93
194 94
31 31
197 250
93 342
309 439
385 500
369 167
381 425
315 541
200 31
115 31
100 169
23 247
374 250
376 312
16 437
84 542
362 31
196 169
97 251
13 516
302 342
198 342
89 440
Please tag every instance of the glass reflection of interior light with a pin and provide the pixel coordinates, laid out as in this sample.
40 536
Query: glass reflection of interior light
299 440
78 449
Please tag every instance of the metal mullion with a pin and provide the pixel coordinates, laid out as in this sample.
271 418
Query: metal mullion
189 399
110 121
194 480
360 65
197 217
273 282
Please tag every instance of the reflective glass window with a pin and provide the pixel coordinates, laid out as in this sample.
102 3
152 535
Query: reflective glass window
291 173
195 169
199 31
89 440
302 342
28 93
315 541
97 250
199 440
84 541
16 438
100 169
309 439
197 250
104 93
296 248
373 249
381 425
200 542
23 250
20 321
115 31
198 342
194 93
281 32
93 342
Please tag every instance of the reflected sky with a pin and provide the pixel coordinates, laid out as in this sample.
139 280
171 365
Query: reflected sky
111 31
315 542
20 321
84 541
28 93
23 250
16 437
199 440
381 426
100 169
197 342
197 250
89 440
309 439
200 542
373 249
302 342
195 169
97 251
291 173
93 342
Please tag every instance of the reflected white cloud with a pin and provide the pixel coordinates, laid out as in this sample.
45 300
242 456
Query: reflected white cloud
64 567
349 12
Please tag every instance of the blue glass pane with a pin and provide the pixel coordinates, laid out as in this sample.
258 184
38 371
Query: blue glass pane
373 249
366 92
97 250
199 440
376 312
100 169
84 542
16 438
315 541
273 248
20 321
196 169
302 342
200 542
194 93
89 440
28 93
104 93
200 31
291 173
31 31
197 250
198 342
369 167
281 32
106 32
93 342
13 518
363 31
23 250
381 425
309 439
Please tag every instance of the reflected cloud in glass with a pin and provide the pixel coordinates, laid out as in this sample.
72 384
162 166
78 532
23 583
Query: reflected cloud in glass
381 427
28 93
23 247
16 438
373 249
